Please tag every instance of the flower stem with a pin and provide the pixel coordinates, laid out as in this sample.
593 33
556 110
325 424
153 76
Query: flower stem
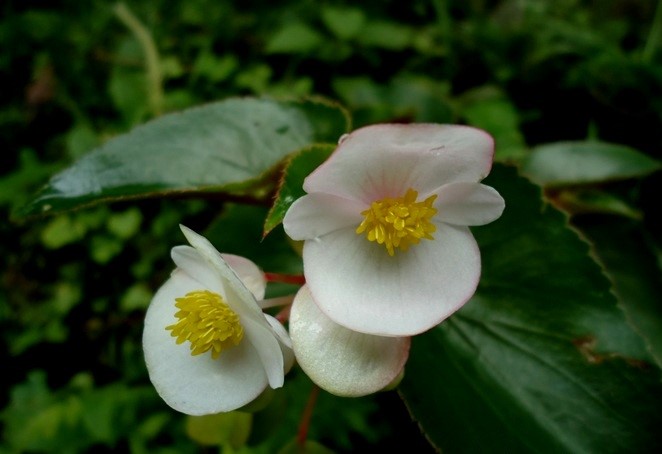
307 415
285 278
277 301
152 65
284 315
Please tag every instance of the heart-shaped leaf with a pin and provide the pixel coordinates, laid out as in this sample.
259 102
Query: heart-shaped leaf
541 359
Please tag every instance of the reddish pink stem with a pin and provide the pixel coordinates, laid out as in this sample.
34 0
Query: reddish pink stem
306 416
285 278
284 315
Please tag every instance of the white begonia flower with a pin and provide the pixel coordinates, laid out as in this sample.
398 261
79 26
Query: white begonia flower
208 346
387 248
341 361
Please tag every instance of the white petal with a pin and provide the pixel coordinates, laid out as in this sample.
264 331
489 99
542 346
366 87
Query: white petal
268 347
340 361
196 385
241 300
385 160
468 204
285 342
280 331
249 274
316 214
358 285
189 260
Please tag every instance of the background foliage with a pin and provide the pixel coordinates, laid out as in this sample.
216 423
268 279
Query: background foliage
571 90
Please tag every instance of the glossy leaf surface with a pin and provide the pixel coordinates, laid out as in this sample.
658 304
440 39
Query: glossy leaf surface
541 359
228 147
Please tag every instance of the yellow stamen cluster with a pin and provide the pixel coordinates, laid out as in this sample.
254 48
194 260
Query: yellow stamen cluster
399 222
207 322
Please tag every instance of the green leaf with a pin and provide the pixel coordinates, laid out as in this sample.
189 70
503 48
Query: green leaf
634 270
25 178
307 447
126 224
420 99
345 423
294 38
575 163
488 108
541 359
104 248
345 23
239 231
297 169
407 98
80 139
213 68
29 421
73 418
228 147
62 230
590 200
386 35
127 86
220 429
136 297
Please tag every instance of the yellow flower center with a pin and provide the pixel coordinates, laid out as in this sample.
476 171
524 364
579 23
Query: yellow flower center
399 222
207 322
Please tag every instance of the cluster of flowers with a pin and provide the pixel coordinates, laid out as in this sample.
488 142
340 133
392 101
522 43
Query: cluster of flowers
387 254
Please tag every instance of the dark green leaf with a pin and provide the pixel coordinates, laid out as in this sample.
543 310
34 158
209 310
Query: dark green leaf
488 108
291 186
25 178
419 99
228 146
590 200
541 359
346 423
406 98
573 163
307 447
239 231
633 268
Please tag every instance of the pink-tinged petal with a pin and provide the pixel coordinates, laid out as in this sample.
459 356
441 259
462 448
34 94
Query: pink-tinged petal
314 215
358 285
196 385
385 160
468 204
341 361
249 274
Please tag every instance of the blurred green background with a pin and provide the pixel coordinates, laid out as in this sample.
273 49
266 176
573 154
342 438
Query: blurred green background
74 74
